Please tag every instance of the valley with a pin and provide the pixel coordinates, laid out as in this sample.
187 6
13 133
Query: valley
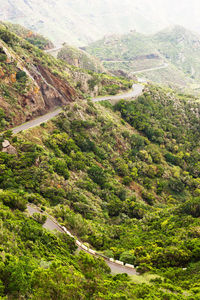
99 160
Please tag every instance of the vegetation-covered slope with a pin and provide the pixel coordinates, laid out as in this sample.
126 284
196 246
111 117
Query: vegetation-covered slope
176 49
30 36
37 264
124 180
33 82
125 47
181 47
81 59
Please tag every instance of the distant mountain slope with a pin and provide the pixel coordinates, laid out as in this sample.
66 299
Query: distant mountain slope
30 36
123 47
80 59
175 48
181 47
79 22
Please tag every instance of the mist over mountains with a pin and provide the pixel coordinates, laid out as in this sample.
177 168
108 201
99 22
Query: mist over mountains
79 22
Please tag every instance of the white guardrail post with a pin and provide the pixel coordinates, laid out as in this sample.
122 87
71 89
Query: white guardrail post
118 262
84 247
92 251
130 266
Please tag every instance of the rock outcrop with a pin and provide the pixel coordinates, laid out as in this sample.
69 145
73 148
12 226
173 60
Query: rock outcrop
8 148
43 91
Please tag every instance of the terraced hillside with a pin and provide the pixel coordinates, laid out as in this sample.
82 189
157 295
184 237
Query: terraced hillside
169 57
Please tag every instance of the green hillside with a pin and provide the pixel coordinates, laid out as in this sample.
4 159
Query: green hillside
124 179
81 59
33 82
125 47
182 48
173 53
30 36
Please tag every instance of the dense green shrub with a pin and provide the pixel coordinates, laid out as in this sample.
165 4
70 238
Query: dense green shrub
60 167
98 175
13 200
7 36
191 207
21 76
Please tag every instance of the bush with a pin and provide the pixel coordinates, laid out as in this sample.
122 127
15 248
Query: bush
39 218
3 57
114 206
127 180
173 159
7 37
191 207
176 185
60 167
13 200
21 76
98 175
148 197
128 257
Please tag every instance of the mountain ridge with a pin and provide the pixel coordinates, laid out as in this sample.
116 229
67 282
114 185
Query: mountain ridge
79 23
174 46
123 178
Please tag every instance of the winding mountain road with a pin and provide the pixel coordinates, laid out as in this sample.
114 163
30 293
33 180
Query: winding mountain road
164 66
52 225
53 49
37 121
137 90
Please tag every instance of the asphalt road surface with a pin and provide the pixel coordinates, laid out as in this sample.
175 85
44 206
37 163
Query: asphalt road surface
51 225
53 49
165 65
136 91
37 121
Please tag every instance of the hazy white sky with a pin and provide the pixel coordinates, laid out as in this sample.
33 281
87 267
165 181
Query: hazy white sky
80 21
160 12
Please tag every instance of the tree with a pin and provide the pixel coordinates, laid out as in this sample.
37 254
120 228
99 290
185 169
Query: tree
191 207
13 200
98 175
128 257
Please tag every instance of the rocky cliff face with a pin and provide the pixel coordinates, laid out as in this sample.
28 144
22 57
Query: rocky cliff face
94 84
54 90
28 88
33 82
